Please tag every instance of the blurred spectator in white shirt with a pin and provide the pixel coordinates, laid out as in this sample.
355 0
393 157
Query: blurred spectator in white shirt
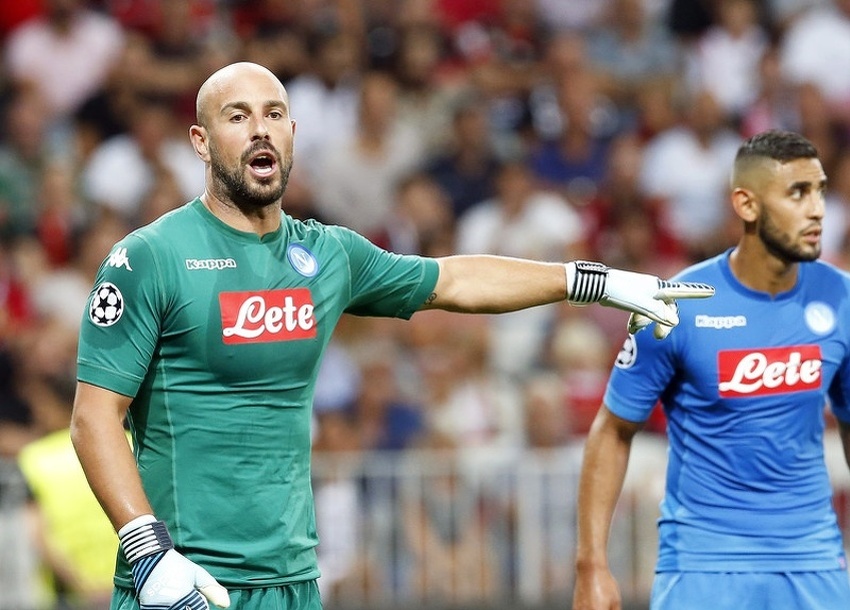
357 175
66 54
525 221
686 167
816 49
725 59
324 100
124 169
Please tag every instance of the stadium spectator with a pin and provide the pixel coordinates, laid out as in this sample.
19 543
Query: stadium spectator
428 88
725 59
325 98
685 166
446 530
776 105
66 54
837 230
526 221
24 155
625 224
357 177
463 397
815 49
573 162
76 541
125 169
466 169
168 53
421 220
628 51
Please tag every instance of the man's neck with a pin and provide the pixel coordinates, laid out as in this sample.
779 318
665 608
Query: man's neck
759 270
261 220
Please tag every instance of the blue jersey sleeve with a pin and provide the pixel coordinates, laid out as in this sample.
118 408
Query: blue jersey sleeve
641 373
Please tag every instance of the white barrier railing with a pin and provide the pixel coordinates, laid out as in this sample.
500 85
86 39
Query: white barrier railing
458 529
462 529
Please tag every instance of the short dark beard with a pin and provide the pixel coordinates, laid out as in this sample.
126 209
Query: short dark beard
231 185
780 245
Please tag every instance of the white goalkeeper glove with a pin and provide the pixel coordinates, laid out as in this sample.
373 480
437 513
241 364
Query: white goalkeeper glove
648 298
165 579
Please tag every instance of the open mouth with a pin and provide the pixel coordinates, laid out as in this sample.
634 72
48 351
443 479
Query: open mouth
263 164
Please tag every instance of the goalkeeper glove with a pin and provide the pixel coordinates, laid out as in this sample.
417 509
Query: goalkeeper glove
648 298
165 579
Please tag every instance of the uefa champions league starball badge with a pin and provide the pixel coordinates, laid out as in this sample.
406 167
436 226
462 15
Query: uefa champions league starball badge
106 305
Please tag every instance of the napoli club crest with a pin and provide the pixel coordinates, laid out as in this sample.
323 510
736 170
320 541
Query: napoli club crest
302 260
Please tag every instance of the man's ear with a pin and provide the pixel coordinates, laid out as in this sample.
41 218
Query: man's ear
198 137
745 204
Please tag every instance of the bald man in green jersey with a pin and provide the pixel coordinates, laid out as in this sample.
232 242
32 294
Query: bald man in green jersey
205 330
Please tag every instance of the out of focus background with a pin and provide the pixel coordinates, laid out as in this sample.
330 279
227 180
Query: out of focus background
446 447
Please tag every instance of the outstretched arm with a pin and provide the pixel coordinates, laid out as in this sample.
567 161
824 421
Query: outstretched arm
606 457
497 284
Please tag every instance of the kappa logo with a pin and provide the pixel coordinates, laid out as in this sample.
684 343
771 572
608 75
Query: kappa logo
193 264
720 322
118 258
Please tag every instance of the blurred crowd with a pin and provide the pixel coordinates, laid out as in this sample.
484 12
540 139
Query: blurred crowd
548 129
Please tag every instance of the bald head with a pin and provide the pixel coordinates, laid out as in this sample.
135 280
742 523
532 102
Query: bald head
224 83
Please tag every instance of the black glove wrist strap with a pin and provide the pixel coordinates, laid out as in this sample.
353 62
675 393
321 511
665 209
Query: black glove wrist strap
588 283
145 540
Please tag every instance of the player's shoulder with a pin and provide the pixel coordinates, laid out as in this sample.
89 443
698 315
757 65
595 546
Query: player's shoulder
159 240
823 275
707 271
305 228
825 268
322 235
172 227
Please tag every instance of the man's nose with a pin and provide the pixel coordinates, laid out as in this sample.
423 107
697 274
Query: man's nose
817 205
259 129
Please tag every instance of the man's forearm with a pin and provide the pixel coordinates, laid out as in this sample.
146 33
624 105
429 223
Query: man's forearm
603 472
496 284
98 436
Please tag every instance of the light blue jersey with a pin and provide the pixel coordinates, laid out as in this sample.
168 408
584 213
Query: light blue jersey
744 379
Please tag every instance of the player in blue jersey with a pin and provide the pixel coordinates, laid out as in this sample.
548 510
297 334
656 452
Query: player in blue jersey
204 332
747 520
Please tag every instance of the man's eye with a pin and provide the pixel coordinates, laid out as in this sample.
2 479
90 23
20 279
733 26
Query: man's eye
275 114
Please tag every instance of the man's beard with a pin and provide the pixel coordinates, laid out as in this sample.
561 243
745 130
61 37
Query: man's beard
781 245
233 186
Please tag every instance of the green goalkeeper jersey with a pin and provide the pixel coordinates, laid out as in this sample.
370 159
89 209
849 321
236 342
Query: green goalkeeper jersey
217 335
